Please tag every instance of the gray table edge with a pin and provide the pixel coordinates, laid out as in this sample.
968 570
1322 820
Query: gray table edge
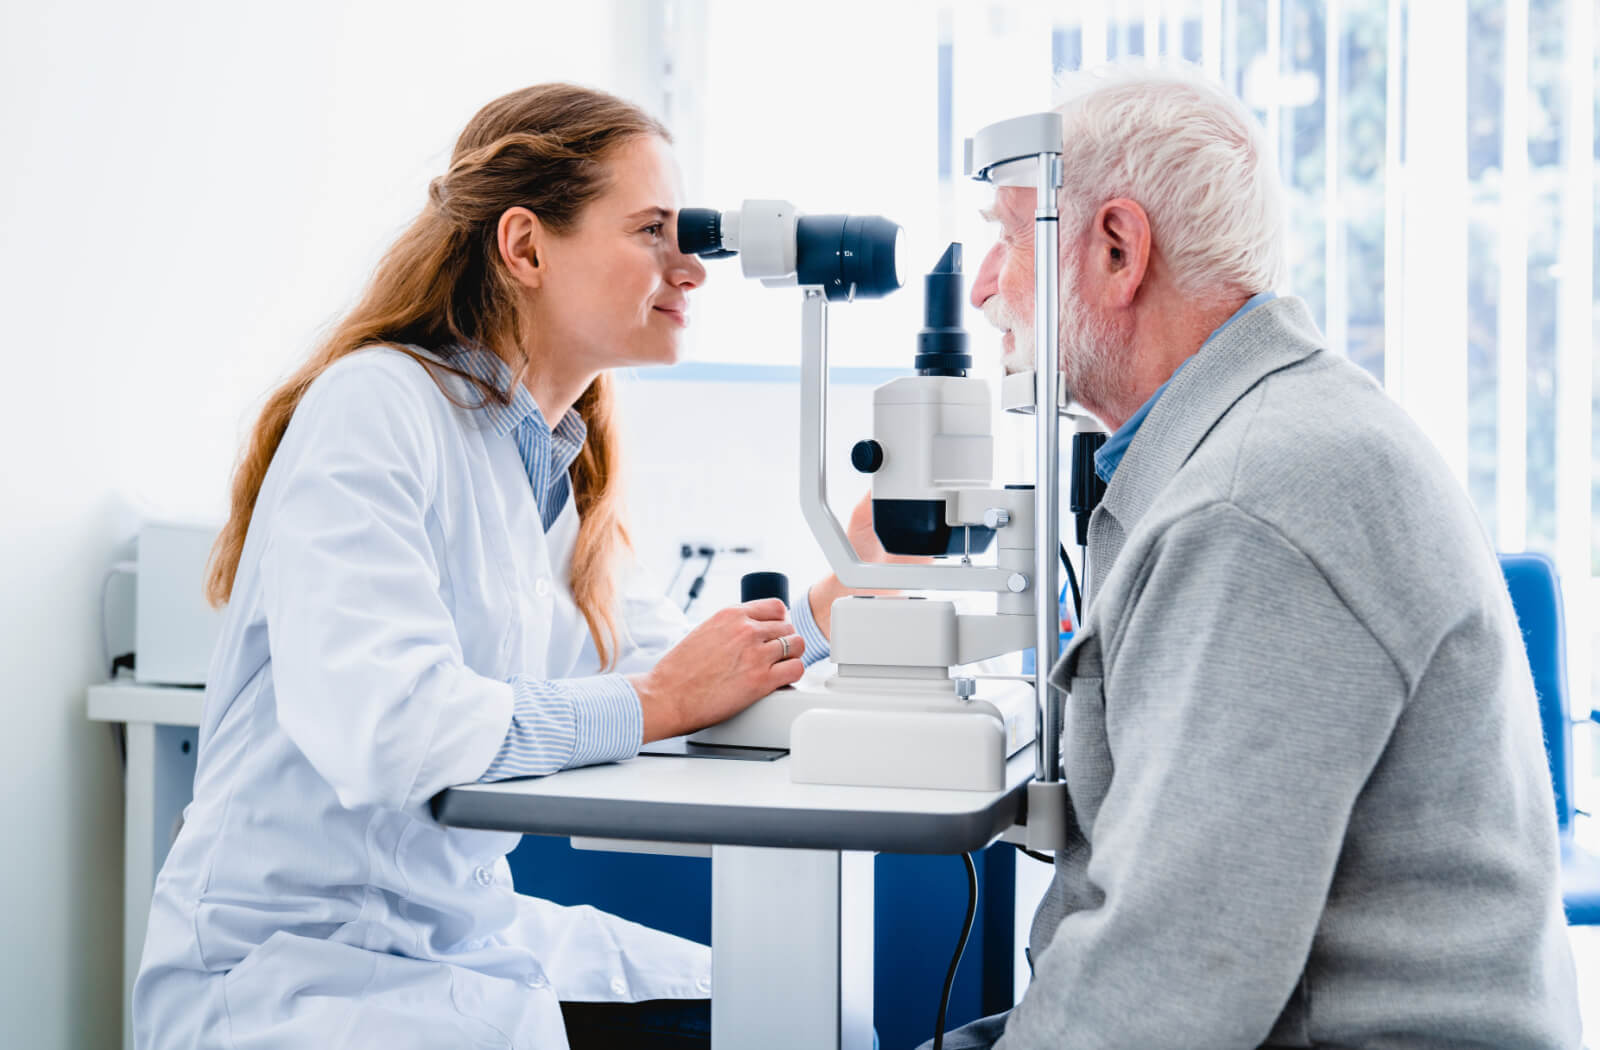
710 824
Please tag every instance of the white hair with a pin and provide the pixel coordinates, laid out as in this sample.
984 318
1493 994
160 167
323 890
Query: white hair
1192 156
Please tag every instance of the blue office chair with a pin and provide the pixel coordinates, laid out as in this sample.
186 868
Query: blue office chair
1536 596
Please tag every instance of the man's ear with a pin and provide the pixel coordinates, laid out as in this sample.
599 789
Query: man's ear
1120 248
520 236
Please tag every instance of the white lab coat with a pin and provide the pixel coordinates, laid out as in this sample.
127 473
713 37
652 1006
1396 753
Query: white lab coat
395 574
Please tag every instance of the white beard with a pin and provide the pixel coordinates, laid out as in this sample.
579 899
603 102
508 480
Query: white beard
1096 360
1019 357
1093 350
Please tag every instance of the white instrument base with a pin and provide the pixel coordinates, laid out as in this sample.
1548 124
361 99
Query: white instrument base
889 733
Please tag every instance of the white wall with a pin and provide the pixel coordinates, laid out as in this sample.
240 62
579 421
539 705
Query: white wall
718 462
188 192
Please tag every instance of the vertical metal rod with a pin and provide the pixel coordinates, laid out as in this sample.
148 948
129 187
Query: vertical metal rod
1211 38
831 537
1094 34
1511 457
1574 348
1394 272
1333 267
814 401
1274 110
1046 504
140 858
1228 28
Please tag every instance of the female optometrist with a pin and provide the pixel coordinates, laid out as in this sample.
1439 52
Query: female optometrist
421 575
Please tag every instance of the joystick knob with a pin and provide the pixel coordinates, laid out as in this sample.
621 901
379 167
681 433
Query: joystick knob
754 585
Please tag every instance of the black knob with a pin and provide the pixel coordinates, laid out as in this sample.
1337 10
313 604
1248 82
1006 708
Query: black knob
753 585
866 456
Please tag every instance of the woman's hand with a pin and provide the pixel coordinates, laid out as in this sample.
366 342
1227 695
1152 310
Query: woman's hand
866 543
720 668
868 548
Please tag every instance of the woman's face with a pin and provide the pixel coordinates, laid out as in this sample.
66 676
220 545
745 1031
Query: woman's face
615 288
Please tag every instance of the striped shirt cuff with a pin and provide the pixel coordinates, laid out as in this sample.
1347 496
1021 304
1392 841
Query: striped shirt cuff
559 723
805 625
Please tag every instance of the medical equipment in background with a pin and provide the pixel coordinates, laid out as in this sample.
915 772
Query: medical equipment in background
931 445
894 715
709 553
173 629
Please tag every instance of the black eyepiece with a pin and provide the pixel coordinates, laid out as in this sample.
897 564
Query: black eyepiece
700 233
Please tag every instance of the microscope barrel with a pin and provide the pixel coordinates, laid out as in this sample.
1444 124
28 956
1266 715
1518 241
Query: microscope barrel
942 343
848 256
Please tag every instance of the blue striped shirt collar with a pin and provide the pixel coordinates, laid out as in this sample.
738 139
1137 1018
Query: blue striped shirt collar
1110 455
506 418
546 456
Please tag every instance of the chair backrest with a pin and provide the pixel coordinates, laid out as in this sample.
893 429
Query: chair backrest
1536 596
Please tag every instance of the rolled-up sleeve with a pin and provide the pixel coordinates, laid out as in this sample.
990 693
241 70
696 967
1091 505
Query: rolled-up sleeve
558 723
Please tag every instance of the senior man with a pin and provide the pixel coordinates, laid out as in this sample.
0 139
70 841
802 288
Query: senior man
1310 797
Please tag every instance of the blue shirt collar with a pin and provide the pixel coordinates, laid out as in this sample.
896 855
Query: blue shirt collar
523 408
1110 455
546 456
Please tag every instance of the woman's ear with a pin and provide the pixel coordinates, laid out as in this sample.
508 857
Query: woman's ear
520 236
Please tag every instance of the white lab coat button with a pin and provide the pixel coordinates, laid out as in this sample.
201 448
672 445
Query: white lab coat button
618 986
484 876
536 980
541 587
704 984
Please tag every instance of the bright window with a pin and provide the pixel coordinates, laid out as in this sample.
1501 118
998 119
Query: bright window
1440 158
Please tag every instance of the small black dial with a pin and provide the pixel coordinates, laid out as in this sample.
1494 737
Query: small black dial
866 456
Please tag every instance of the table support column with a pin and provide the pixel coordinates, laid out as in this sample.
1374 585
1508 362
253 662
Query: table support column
138 859
159 784
791 942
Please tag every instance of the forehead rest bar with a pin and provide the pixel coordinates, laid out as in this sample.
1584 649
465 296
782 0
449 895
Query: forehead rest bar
998 153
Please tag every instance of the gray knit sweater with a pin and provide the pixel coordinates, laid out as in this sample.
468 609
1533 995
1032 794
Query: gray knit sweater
1312 805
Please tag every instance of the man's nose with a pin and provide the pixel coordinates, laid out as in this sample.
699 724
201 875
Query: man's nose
987 282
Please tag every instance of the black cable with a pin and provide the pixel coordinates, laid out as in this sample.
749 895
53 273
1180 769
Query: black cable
685 552
961 947
1077 596
700 580
1042 858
